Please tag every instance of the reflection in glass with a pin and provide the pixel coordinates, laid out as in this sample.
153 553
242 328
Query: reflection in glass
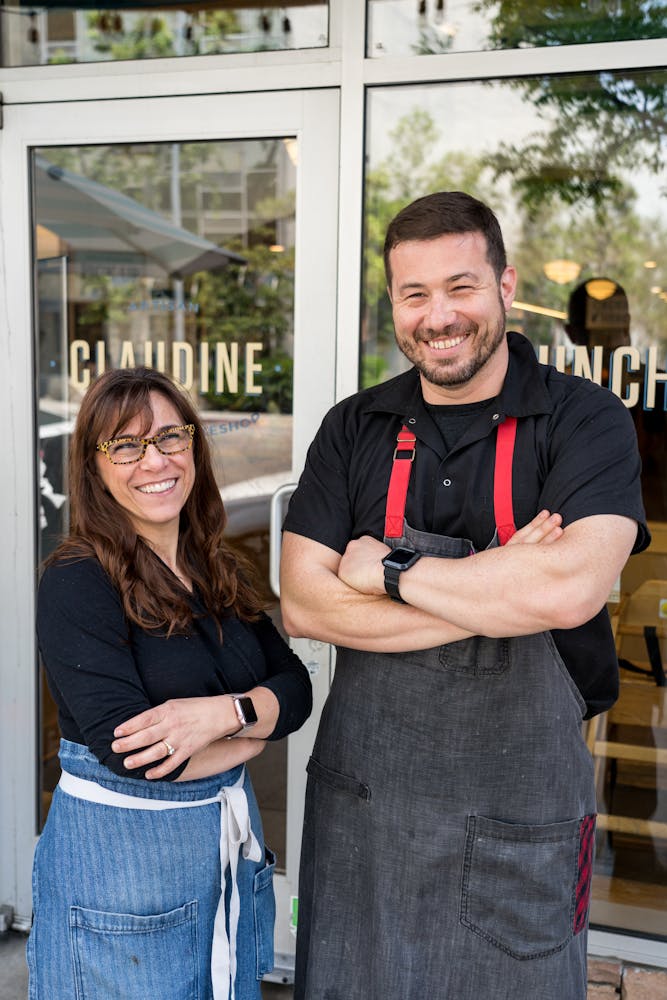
62 32
578 184
179 256
427 27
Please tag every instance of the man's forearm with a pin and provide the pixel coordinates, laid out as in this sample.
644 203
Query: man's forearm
509 591
317 605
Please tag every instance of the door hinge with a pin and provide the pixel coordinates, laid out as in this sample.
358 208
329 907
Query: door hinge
2 117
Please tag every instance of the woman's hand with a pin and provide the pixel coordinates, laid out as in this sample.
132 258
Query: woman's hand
189 725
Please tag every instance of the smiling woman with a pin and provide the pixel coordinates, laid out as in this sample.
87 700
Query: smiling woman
148 625
151 478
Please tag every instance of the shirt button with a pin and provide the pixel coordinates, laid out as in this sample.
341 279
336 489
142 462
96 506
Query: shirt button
496 416
446 482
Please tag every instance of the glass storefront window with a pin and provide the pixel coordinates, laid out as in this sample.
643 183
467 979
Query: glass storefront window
179 256
62 32
575 167
426 27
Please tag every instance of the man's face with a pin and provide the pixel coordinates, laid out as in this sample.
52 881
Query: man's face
449 315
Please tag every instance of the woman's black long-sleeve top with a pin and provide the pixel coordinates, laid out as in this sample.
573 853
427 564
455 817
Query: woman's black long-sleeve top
102 669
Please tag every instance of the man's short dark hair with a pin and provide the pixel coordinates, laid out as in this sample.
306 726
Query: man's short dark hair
441 214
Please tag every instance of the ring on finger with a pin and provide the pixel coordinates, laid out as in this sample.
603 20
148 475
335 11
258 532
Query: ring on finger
170 749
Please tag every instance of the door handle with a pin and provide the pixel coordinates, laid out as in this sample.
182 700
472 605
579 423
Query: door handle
278 501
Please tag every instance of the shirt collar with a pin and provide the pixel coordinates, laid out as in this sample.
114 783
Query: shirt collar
524 392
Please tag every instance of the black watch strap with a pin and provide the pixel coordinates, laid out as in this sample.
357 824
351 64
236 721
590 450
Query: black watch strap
391 578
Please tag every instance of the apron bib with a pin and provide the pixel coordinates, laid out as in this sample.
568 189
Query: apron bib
449 824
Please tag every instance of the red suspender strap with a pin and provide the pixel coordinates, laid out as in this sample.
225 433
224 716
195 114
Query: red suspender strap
502 480
404 455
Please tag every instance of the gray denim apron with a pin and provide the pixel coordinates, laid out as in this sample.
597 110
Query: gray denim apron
449 825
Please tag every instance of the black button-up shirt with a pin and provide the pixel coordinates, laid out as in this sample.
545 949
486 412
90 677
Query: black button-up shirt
575 454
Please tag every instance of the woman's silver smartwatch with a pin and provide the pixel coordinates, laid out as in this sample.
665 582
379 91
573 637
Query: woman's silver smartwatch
245 713
395 563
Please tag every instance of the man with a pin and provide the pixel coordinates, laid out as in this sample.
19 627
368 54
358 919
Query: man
449 822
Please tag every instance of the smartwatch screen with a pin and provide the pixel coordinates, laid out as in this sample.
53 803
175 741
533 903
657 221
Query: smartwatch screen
401 557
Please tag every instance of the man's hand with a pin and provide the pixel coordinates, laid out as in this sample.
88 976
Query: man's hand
361 565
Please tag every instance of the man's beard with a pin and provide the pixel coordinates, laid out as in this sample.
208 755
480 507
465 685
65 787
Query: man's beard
449 371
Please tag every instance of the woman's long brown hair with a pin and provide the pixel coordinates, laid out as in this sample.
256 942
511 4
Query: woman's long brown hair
152 596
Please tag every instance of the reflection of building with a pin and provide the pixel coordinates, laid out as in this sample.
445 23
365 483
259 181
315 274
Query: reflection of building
308 149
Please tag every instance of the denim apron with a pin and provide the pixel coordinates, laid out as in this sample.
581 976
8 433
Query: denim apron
449 825
150 889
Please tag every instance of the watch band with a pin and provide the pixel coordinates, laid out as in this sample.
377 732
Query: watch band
395 563
391 578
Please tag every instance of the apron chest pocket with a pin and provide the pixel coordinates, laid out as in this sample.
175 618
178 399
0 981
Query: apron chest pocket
525 889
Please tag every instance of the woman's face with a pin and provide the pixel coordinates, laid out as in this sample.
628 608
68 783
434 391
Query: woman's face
153 490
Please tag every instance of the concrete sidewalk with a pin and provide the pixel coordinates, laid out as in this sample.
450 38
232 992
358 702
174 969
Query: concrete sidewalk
607 979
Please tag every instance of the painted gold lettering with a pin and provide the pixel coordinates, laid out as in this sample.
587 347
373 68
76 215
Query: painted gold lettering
251 369
126 355
100 357
203 367
183 363
652 377
581 363
624 359
226 367
559 358
79 375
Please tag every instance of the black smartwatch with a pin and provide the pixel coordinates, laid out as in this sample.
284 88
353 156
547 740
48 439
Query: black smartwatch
245 712
395 563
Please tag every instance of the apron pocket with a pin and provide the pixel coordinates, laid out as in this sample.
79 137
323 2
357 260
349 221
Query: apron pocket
124 955
522 885
337 780
477 656
264 905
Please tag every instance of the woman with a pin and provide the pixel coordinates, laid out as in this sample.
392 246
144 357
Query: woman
151 877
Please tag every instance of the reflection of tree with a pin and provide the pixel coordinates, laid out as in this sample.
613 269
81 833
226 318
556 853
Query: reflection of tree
551 205
597 128
517 24
237 305
409 171
154 35
252 304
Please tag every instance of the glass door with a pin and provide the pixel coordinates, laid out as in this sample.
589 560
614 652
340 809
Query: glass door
202 252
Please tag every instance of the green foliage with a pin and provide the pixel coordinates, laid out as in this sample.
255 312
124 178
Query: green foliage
408 172
567 189
373 369
520 24
252 304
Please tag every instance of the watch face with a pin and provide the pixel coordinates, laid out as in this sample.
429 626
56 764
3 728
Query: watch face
401 558
248 710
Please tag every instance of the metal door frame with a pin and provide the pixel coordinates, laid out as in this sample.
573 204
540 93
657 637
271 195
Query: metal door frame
313 117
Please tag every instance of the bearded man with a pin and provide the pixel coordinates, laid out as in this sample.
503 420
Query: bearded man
456 533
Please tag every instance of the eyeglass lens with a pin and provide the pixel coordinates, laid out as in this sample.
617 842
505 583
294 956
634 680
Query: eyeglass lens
132 449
